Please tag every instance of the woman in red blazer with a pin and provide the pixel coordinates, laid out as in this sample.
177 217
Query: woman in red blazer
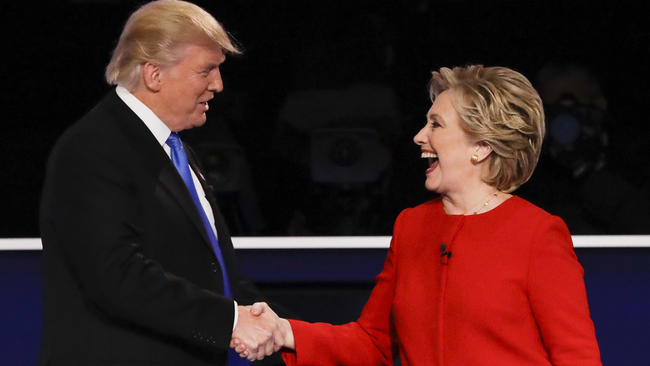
477 276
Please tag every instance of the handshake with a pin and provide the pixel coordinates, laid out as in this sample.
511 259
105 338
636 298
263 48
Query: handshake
260 332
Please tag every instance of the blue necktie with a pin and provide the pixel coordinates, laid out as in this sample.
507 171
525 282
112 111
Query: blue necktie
180 162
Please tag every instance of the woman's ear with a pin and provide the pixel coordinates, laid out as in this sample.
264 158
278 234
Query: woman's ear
483 150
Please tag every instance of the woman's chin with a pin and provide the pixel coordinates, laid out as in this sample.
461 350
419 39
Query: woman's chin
430 186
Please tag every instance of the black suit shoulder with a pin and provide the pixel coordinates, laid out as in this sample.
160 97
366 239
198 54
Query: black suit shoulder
110 129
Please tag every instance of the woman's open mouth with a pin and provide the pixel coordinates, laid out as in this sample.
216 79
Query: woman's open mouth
432 160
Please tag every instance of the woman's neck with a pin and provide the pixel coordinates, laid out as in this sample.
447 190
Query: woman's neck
473 200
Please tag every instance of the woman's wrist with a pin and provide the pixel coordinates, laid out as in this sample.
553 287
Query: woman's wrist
288 335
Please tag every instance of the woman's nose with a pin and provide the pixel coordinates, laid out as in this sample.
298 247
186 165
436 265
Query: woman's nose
421 137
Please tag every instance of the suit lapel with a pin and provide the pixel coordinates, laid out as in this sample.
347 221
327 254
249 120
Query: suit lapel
171 180
153 158
219 223
225 242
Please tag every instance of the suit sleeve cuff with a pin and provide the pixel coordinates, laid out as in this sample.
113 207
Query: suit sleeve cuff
234 322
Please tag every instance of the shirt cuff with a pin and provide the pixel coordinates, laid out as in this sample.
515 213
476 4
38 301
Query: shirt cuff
234 323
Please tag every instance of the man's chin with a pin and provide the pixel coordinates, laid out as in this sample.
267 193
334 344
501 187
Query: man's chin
198 122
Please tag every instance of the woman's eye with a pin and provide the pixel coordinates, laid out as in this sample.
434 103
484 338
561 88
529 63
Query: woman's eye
435 124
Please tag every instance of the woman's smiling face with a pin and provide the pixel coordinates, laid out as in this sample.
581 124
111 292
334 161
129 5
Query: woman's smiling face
447 147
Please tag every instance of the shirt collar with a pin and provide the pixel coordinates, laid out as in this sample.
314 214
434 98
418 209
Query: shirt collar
157 127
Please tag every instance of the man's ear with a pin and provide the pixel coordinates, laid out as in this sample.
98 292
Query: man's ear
151 76
483 150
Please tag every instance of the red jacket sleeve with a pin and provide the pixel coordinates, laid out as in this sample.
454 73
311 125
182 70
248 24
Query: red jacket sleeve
559 299
365 342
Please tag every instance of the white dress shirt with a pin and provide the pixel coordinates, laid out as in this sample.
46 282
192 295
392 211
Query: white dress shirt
161 132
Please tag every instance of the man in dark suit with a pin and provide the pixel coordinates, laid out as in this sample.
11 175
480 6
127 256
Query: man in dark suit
139 265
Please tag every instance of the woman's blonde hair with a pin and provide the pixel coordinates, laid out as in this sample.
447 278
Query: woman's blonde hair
499 107
154 32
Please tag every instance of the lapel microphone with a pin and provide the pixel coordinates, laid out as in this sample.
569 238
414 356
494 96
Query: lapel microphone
445 254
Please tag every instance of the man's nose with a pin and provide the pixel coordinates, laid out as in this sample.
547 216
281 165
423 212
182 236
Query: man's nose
216 84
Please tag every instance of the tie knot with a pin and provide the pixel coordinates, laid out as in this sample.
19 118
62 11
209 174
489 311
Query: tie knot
174 141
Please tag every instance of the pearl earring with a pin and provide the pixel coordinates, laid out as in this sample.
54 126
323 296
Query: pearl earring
475 158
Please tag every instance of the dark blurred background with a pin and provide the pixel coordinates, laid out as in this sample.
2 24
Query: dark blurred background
313 133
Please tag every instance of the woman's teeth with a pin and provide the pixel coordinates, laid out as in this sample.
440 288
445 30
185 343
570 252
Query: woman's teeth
432 159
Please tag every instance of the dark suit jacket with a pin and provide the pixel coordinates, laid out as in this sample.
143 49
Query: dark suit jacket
130 277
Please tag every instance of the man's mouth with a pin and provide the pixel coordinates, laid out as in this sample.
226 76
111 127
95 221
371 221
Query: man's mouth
432 160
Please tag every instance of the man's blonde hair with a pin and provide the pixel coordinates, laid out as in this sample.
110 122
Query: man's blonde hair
155 31
499 107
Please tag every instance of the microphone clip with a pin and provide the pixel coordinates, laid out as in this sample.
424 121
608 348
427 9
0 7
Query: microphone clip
445 254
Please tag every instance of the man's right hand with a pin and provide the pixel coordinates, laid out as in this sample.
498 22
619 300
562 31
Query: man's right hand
260 332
